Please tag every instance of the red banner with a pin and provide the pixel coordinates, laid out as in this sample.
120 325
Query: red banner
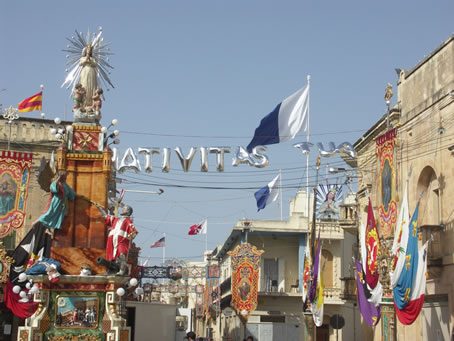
14 177
245 278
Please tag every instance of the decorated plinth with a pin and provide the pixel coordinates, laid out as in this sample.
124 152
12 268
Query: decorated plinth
83 236
84 308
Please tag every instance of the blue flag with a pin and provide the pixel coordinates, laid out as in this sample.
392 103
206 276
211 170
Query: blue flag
403 290
267 194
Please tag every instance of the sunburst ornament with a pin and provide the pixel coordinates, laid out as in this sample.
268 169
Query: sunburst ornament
88 62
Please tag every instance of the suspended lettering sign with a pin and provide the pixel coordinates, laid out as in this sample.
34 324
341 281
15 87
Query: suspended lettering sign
245 263
132 160
14 178
386 148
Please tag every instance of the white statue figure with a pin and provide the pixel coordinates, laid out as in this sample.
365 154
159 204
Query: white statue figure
89 67
88 78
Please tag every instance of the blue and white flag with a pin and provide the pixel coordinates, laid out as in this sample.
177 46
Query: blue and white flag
267 194
284 122
403 290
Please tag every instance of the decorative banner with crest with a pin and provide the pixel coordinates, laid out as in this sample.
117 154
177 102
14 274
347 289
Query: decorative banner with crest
14 178
245 278
386 150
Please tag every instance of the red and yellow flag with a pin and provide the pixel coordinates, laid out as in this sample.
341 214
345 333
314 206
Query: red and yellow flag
32 103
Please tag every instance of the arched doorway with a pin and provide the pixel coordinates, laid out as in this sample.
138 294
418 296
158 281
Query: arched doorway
327 262
429 208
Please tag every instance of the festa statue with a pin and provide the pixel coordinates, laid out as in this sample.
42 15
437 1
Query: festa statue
329 209
89 67
57 208
122 232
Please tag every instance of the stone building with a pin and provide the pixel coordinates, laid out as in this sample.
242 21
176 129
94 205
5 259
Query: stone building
423 117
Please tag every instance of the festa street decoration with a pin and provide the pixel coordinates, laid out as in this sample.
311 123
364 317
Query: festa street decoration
130 161
386 150
14 178
245 277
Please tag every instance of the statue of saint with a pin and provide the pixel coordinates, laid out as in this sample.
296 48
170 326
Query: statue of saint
89 66
88 78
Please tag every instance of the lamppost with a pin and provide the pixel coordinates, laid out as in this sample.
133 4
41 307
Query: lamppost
10 114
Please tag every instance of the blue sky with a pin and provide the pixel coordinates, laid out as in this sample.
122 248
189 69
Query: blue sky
204 73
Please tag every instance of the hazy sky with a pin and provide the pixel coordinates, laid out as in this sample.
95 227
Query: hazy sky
204 73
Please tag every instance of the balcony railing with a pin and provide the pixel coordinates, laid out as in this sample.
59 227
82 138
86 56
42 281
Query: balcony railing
331 230
332 295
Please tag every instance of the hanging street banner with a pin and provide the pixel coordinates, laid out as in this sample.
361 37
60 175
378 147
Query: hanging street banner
386 150
14 178
245 265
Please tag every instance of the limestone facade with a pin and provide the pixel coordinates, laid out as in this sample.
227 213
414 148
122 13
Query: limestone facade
424 117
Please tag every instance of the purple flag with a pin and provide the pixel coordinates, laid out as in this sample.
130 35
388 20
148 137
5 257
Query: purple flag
313 288
371 313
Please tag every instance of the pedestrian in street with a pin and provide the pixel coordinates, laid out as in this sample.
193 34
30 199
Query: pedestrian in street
191 336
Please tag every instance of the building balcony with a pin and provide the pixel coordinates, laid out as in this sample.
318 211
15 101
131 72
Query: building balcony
348 218
332 296
330 230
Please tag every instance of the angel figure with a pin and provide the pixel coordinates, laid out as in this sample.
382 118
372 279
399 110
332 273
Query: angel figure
389 92
97 100
78 96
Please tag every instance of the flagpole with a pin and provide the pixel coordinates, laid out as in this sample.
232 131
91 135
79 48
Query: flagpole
42 93
307 140
164 250
280 189
205 225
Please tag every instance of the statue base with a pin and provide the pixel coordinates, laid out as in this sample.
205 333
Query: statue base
72 259
85 308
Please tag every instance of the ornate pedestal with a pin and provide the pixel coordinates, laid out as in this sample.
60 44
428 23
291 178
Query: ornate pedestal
83 235
388 317
77 308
